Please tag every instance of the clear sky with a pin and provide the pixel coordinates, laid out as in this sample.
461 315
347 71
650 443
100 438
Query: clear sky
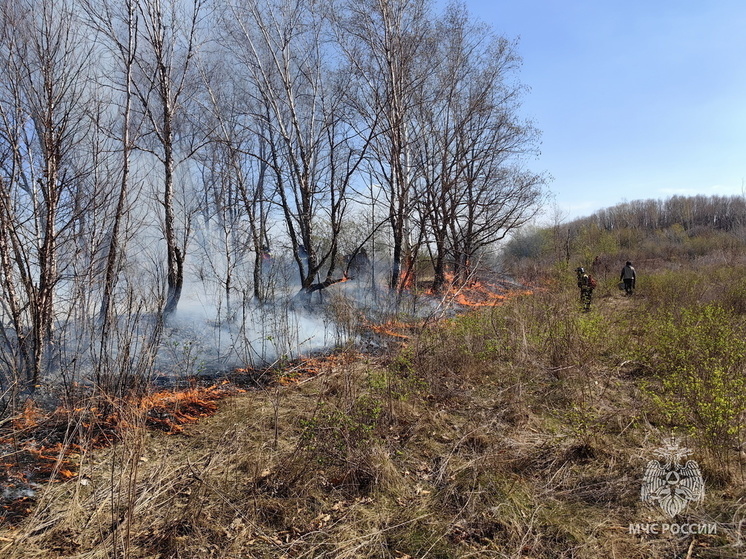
638 99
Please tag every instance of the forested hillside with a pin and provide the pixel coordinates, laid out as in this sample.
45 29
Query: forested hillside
679 232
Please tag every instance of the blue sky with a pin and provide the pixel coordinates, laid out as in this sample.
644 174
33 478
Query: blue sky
636 99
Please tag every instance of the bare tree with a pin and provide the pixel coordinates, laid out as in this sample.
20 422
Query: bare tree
120 350
447 104
491 192
235 169
468 145
388 45
312 151
44 66
117 25
164 79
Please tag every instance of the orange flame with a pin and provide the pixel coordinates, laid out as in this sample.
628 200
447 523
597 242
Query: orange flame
477 294
34 462
169 411
29 417
391 328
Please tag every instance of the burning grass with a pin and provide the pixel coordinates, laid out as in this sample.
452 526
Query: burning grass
169 411
473 438
308 368
297 371
39 448
479 292
393 329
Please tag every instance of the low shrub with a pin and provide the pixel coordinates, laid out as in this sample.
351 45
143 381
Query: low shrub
697 356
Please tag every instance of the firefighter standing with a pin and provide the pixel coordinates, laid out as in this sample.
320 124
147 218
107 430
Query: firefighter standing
628 276
586 288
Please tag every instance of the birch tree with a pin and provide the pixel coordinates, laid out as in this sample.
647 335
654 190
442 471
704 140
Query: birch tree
116 24
388 44
44 64
313 152
165 78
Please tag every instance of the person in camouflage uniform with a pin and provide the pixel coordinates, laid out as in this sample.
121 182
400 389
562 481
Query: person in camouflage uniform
586 290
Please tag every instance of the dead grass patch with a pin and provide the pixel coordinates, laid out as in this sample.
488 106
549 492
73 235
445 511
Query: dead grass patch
476 439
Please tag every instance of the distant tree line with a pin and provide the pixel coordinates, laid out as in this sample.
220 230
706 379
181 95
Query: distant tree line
716 212
679 227
149 143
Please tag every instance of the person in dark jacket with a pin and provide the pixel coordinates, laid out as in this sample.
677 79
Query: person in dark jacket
628 276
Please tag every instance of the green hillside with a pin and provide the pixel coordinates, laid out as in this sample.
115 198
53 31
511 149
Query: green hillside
680 232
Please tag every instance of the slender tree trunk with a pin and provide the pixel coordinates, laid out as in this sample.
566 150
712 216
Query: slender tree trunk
175 259
112 257
439 267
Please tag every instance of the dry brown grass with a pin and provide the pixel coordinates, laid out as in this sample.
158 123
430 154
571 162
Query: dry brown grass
515 433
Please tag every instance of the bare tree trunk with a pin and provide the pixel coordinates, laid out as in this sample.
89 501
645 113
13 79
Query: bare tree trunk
127 52
165 61
11 296
175 258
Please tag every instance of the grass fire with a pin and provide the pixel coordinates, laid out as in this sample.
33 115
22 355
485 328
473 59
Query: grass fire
276 281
